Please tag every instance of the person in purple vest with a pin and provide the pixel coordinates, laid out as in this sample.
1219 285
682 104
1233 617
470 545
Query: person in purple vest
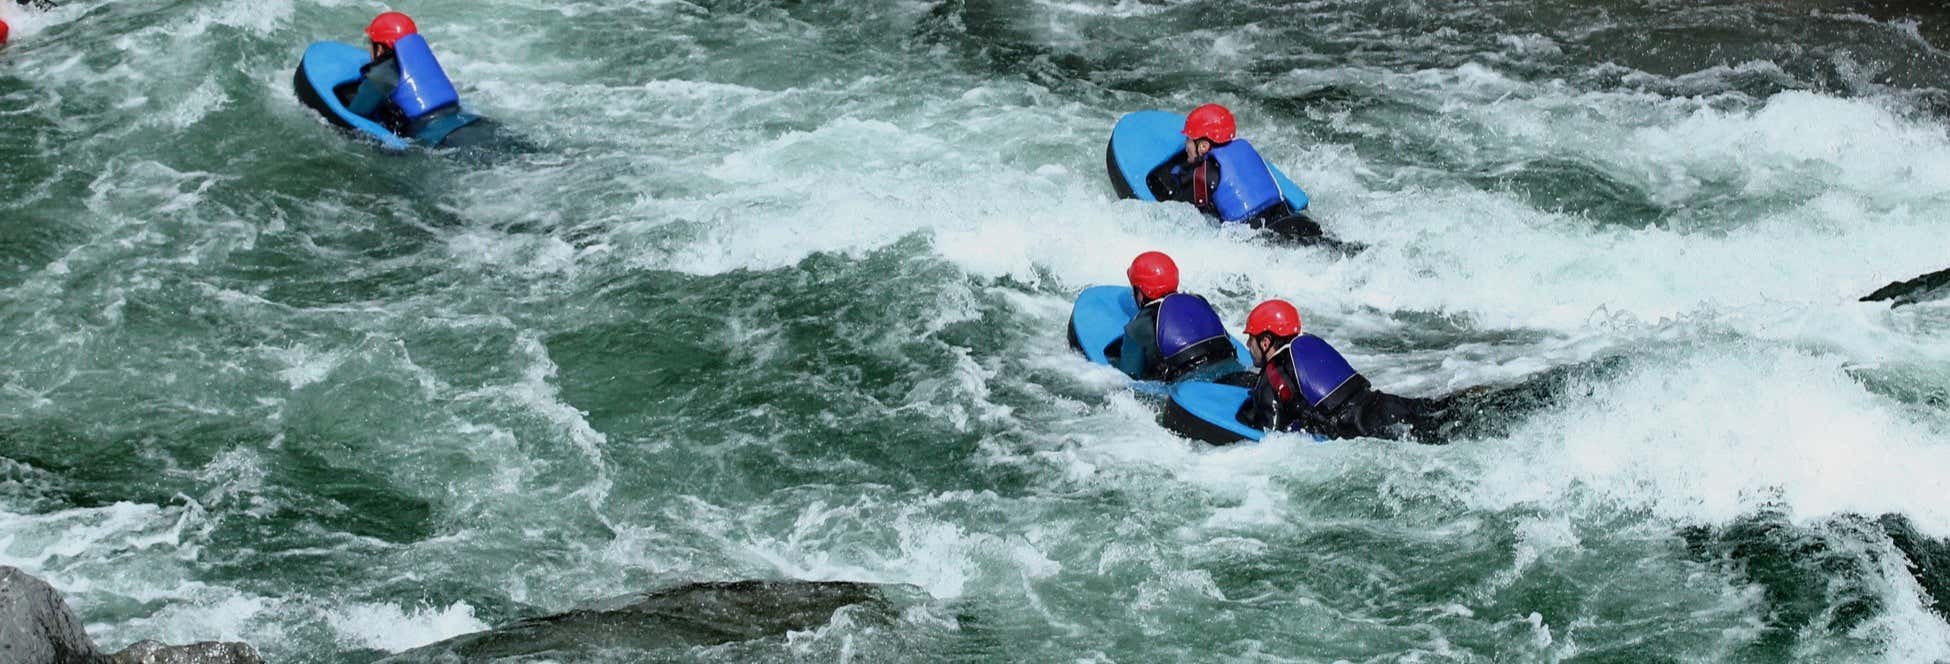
1225 177
1305 385
404 87
1174 335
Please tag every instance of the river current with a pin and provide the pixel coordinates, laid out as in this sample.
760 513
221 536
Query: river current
781 295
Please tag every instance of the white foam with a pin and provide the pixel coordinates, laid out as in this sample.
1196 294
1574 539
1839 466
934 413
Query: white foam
208 97
1909 628
393 629
304 366
26 23
235 474
1718 434
1445 249
196 613
255 16
31 541
941 557
1122 8
129 552
529 257
537 392
995 182
1852 144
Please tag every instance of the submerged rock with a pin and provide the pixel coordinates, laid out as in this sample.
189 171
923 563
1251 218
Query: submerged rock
1929 560
1825 578
207 652
37 627
673 619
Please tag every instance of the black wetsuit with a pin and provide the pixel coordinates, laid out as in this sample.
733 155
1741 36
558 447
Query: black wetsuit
1355 410
1367 412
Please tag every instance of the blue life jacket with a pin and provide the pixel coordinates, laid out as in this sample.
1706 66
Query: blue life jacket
1321 370
1187 328
423 85
1246 184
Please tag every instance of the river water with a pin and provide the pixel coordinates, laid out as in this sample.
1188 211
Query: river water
781 295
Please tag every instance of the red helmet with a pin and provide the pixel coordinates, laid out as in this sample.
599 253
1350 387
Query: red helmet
1153 275
3 32
1211 121
1275 316
389 27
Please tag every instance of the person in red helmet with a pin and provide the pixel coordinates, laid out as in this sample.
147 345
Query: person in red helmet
1190 177
1226 177
1174 335
404 87
1305 385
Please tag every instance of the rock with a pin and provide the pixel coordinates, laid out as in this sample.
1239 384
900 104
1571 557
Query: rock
667 622
37 627
1927 287
207 652
1929 560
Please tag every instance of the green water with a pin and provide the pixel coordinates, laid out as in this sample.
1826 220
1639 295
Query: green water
781 296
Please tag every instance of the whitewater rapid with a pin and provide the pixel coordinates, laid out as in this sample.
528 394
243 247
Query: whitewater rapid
782 294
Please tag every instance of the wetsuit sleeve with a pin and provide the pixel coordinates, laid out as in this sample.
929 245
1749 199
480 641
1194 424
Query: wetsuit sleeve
1383 415
1131 359
1175 181
1135 356
1171 181
381 77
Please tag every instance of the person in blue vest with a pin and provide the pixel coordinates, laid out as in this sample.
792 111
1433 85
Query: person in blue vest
1224 176
404 87
1174 335
1305 385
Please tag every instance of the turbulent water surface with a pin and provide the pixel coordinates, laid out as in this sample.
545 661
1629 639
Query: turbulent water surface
781 295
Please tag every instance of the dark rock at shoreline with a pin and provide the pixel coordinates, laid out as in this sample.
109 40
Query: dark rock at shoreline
668 620
37 627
